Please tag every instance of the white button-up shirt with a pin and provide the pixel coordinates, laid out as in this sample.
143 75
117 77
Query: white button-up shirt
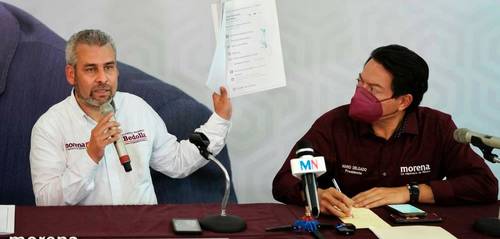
64 174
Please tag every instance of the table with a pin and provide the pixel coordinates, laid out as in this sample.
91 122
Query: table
154 221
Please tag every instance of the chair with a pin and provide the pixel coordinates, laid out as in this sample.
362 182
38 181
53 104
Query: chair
32 79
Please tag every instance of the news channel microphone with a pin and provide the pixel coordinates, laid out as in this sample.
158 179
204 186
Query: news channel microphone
119 144
486 143
222 222
307 167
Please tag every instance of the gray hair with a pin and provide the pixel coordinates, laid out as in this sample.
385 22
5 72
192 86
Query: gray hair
90 37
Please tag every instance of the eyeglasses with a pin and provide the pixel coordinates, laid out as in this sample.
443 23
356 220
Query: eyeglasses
376 89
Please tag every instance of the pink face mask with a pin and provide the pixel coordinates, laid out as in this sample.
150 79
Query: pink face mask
365 107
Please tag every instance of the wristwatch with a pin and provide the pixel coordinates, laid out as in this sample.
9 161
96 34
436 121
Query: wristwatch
414 192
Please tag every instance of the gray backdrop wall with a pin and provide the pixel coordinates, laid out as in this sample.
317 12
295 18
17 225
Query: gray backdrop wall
325 43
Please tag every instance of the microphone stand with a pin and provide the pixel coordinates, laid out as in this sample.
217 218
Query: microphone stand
487 225
487 150
223 222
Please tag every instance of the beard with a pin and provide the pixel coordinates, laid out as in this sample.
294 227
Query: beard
92 100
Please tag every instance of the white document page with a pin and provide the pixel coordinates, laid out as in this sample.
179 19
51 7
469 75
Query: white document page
412 232
7 219
248 56
365 218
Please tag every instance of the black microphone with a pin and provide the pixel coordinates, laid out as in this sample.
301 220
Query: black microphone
464 135
119 144
307 167
201 141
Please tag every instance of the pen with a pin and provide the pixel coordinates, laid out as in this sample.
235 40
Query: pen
336 185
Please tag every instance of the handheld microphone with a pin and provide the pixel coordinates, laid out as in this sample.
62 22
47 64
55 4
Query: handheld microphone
464 135
119 144
307 167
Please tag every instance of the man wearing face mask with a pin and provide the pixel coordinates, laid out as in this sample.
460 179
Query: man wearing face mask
383 148
72 158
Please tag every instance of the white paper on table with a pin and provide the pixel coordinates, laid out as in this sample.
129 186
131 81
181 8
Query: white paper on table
365 218
7 219
248 56
412 232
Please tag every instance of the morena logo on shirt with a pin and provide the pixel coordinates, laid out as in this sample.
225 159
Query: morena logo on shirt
72 146
415 169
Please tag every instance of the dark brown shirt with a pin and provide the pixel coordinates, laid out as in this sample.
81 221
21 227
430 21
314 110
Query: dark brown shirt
421 150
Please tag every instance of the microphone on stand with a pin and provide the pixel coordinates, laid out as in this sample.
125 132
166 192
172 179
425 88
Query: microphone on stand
119 144
307 167
486 143
464 135
222 222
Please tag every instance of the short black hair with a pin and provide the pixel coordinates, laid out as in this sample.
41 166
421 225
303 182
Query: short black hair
410 72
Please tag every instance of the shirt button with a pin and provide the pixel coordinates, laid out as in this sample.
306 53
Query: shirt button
384 174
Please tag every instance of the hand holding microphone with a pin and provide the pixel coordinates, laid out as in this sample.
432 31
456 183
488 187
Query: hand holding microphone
107 131
104 133
109 108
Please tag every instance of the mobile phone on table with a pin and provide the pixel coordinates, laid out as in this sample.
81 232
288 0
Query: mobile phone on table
429 218
407 210
186 226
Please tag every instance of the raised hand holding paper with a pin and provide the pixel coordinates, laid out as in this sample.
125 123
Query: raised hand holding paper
248 55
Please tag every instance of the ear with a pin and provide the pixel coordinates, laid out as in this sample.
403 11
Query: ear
70 74
406 101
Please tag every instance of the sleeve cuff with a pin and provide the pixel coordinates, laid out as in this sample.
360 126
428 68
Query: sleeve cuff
442 191
216 129
219 119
